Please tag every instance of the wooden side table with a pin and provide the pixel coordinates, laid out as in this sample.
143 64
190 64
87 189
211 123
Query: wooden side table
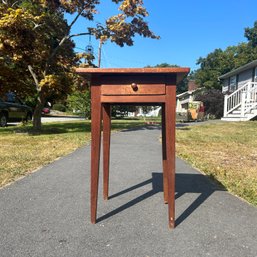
154 86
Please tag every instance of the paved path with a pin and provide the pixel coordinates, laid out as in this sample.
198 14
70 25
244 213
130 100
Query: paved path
47 213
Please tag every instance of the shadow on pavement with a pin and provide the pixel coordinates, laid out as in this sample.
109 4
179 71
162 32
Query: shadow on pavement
185 183
180 126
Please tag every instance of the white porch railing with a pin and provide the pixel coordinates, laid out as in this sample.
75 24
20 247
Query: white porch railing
244 97
249 100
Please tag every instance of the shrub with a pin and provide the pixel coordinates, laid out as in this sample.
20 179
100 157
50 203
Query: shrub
59 107
79 102
213 101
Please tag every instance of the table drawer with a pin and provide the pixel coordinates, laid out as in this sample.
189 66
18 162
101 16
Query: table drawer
133 89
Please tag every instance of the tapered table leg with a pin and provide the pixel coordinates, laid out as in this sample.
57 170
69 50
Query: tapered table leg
96 111
164 156
106 148
170 120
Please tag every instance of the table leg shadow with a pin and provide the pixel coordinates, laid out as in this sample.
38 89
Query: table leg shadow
185 183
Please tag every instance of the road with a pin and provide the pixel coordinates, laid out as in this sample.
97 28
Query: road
56 119
51 119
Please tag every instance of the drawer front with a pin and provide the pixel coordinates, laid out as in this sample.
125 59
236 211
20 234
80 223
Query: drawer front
133 89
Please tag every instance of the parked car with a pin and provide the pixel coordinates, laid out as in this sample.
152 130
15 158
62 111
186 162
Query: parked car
45 110
14 110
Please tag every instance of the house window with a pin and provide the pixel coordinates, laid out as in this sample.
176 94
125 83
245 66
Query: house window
232 83
255 75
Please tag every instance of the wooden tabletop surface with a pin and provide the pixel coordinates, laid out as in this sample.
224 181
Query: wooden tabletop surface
132 70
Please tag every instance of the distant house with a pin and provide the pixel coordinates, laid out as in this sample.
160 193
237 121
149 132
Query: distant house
187 108
240 89
154 112
187 97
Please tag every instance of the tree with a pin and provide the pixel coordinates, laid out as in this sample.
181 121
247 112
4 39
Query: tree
163 65
251 35
79 101
36 40
182 85
220 62
214 65
213 101
30 37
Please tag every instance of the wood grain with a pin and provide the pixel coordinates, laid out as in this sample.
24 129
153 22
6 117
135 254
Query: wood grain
142 89
170 126
95 147
133 99
106 148
155 86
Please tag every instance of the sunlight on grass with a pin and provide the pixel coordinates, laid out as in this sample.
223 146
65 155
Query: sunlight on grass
225 151
22 152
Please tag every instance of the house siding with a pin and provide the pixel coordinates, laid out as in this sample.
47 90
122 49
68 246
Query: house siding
241 79
225 85
255 74
245 77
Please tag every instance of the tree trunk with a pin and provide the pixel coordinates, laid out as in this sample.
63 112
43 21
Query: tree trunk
37 125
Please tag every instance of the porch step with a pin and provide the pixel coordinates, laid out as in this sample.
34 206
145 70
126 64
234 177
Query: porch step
236 116
234 119
238 112
244 96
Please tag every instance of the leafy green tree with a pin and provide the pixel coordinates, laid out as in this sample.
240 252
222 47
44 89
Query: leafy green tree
213 101
79 102
251 35
36 42
162 65
182 86
220 62
30 36
214 65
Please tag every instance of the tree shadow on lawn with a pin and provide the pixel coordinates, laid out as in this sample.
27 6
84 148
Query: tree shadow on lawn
185 183
141 127
55 128
150 126
77 127
67 127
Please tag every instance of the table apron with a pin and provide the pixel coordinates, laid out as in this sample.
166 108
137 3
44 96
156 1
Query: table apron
134 99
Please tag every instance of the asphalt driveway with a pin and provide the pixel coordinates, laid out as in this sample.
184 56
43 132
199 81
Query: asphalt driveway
47 213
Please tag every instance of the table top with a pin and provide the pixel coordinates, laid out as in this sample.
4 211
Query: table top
132 70
179 72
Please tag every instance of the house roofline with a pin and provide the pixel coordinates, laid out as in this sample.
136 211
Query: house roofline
240 69
189 92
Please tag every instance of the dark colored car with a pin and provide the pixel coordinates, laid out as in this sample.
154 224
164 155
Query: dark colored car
14 110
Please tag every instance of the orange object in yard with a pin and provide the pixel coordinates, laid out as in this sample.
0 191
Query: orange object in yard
193 113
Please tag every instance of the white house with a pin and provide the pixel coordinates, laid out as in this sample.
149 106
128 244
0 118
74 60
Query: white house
240 89
155 112
187 97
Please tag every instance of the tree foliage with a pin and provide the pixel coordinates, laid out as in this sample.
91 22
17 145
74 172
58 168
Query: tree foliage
251 35
213 101
36 42
182 86
79 102
221 61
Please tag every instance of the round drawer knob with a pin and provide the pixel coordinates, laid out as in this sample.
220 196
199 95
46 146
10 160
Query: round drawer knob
134 86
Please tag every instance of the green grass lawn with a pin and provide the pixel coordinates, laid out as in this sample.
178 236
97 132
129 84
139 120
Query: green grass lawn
226 152
22 152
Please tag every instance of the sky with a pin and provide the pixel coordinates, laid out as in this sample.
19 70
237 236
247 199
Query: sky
189 29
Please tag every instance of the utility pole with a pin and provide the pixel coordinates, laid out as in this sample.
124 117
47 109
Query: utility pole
99 53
